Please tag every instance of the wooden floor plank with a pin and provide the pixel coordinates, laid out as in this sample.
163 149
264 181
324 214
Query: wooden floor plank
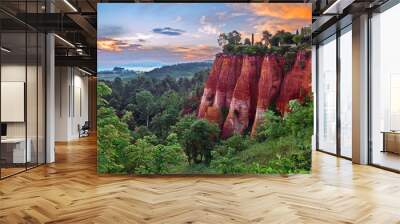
70 191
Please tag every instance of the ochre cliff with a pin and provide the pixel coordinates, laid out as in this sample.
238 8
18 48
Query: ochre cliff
210 87
229 73
268 87
297 82
242 88
242 106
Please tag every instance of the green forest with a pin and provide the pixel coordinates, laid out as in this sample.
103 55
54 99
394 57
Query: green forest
148 125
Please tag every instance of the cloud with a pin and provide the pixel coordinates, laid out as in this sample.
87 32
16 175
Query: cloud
113 45
274 25
139 37
203 20
110 31
178 19
283 10
221 14
135 37
194 35
235 14
168 31
207 27
166 54
278 16
196 53
275 16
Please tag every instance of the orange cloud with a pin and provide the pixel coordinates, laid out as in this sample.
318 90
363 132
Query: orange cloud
199 52
280 16
274 26
108 45
283 11
115 45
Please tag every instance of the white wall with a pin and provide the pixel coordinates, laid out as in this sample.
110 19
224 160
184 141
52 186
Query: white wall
62 82
71 102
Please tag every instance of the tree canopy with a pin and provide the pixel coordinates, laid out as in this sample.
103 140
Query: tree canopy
231 42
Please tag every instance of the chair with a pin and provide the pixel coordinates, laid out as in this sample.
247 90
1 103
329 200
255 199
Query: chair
84 130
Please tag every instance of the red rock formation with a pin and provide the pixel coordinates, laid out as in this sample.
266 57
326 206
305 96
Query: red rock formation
244 97
297 83
213 114
254 89
268 87
230 71
248 85
232 79
209 90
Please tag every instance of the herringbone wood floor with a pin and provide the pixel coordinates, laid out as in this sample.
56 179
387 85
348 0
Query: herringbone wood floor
70 191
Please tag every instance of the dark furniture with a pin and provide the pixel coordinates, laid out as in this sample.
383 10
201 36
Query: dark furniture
3 129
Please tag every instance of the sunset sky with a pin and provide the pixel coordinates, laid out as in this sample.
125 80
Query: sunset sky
142 36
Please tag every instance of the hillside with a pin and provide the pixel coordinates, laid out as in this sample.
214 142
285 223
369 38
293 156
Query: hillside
117 72
179 70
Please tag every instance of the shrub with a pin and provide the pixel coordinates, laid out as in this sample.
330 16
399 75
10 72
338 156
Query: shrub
237 142
197 137
272 127
147 158
140 157
284 144
225 161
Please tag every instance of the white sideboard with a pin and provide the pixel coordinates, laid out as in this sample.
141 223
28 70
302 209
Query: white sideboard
19 153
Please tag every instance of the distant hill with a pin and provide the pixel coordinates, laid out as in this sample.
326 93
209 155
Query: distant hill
179 70
117 72
175 71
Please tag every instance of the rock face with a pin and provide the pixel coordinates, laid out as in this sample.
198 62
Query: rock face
213 114
209 89
241 110
243 87
297 82
229 73
268 87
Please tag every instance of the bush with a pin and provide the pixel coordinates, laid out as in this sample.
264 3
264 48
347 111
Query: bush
140 157
225 161
272 127
197 137
237 142
287 139
147 158
283 145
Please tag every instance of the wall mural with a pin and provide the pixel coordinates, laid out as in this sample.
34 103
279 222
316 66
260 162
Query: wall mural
209 88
